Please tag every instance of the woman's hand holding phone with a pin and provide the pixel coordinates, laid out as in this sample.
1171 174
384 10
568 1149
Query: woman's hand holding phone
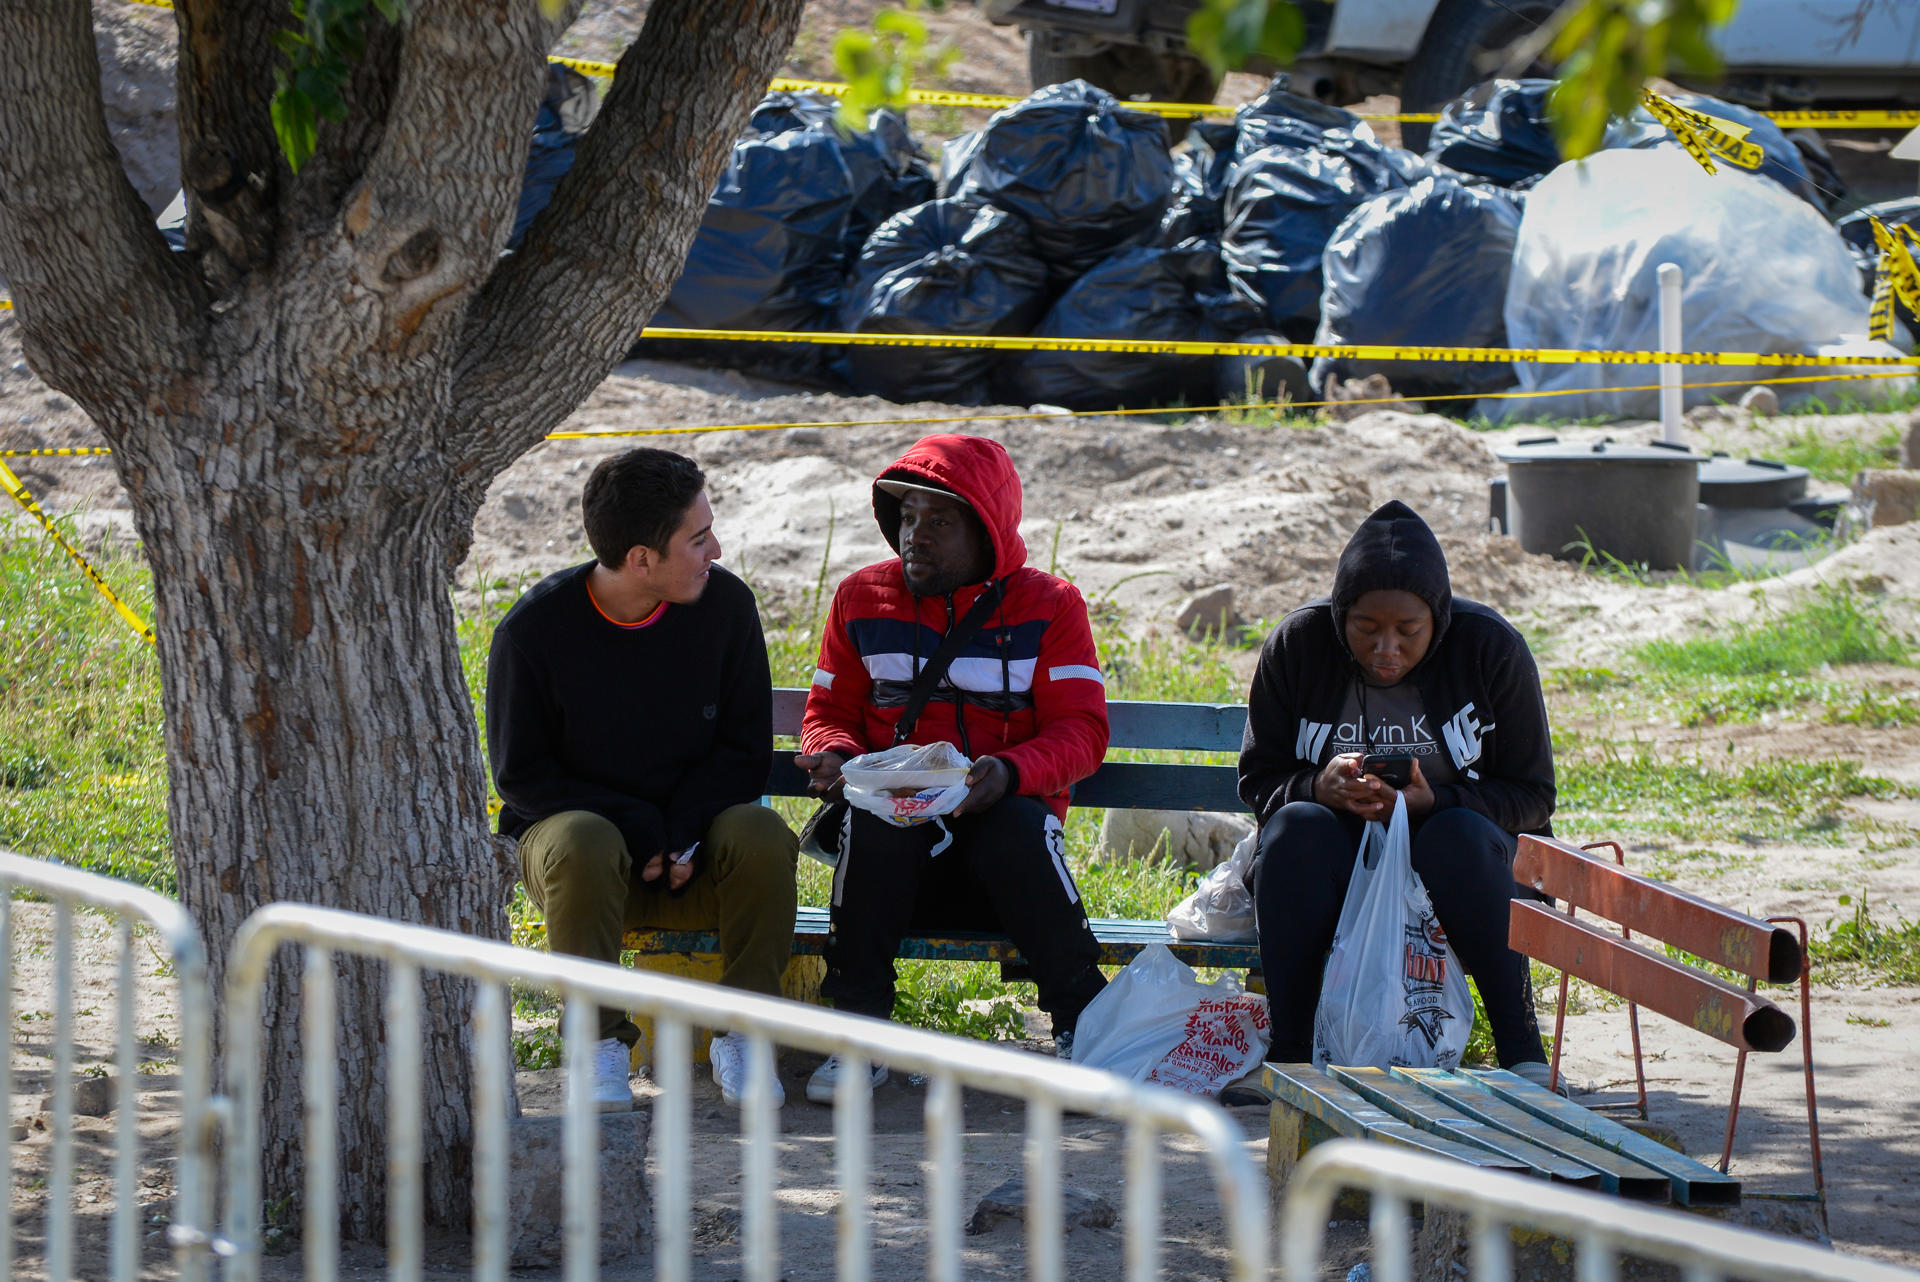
1352 782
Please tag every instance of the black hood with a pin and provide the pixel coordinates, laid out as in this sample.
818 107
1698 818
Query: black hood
1393 549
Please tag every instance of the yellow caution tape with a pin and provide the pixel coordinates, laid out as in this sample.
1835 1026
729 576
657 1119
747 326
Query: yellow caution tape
1844 119
1355 352
1705 136
1898 277
68 452
604 70
19 494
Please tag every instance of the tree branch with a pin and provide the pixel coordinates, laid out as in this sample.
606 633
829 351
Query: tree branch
557 316
102 305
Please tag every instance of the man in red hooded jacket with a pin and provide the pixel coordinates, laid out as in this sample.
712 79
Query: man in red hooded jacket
1024 699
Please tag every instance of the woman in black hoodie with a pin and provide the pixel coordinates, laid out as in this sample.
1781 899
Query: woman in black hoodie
1392 664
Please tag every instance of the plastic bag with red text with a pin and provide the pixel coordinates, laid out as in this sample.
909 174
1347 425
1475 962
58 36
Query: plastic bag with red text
1156 1022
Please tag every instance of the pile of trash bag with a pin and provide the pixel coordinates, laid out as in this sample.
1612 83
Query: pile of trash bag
1300 172
1763 272
1090 177
944 267
769 252
1498 130
1423 267
889 170
1200 182
1179 293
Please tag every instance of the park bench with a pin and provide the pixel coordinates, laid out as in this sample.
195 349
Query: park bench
1158 785
1495 1119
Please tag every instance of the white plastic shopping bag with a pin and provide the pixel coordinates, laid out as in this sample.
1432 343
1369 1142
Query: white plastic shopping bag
1156 1022
1394 992
1220 907
909 783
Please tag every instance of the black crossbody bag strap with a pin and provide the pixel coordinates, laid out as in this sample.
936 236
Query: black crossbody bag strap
950 647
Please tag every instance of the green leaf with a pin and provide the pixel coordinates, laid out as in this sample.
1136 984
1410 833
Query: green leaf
293 125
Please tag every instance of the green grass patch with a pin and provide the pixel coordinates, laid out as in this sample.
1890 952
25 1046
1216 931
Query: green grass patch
1693 801
1831 626
1860 947
1830 458
83 772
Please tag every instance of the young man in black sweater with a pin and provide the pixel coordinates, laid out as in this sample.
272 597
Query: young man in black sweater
630 722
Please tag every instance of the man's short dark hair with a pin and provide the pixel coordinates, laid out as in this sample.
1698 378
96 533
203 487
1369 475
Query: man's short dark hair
637 499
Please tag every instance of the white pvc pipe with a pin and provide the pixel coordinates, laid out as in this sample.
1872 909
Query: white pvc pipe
1671 402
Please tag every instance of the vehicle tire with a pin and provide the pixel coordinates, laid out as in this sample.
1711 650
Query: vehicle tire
1448 62
1125 71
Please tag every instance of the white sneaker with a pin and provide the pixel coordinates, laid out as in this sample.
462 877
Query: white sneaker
826 1079
728 1056
611 1059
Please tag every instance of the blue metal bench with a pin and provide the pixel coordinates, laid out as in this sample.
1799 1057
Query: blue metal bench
1189 727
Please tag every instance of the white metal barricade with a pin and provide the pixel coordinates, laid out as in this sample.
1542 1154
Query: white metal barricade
676 1005
191 1217
1601 1228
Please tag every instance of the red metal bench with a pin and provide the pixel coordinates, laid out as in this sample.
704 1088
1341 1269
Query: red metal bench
1644 976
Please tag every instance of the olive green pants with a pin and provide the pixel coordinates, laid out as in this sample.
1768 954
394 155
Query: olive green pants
578 870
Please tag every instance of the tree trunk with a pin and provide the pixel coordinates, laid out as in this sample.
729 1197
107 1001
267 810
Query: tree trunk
321 749
306 409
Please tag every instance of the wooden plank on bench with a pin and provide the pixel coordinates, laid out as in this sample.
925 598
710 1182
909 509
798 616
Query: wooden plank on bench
1694 1183
1654 980
1120 942
1431 1113
1618 1173
1342 1111
1700 926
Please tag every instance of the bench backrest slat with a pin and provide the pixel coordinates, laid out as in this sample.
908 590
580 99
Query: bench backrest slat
1194 727
1701 1001
1126 785
1700 926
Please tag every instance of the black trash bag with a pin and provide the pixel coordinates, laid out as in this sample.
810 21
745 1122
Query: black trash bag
566 109
945 267
1090 177
1200 183
1499 130
1179 293
1780 159
1279 117
1857 231
1425 267
1260 375
890 171
1283 203
769 255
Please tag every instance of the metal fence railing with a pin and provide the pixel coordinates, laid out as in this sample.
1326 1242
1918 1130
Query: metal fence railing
1048 1086
67 889
1600 1228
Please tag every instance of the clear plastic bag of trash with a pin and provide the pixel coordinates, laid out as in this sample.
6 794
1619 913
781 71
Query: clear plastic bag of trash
907 784
1221 906
1762 272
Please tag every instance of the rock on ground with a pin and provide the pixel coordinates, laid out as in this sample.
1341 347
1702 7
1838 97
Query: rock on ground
535 1218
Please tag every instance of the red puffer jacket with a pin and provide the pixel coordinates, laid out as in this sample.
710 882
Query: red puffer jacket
1027 688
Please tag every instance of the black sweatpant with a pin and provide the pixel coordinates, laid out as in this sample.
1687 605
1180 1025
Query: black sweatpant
1004 870
1465 861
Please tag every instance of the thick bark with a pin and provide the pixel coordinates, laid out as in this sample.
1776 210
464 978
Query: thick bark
306 409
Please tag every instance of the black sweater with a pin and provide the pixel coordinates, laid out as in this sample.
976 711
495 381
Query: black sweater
1478 682
658 729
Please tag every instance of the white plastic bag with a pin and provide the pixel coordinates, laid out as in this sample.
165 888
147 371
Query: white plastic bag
1220 907
1762 271
1156 1022
1394 992
907 784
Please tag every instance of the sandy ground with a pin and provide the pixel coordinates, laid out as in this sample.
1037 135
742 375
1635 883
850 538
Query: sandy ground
1141 513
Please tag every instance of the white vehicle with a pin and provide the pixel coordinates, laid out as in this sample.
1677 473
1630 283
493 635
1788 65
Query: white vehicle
1778 53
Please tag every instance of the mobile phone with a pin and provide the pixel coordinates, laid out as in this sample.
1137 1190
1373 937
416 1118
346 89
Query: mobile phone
1397 771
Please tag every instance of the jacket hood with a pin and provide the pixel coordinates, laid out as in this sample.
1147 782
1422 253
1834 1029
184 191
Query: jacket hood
972 468
1393 549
